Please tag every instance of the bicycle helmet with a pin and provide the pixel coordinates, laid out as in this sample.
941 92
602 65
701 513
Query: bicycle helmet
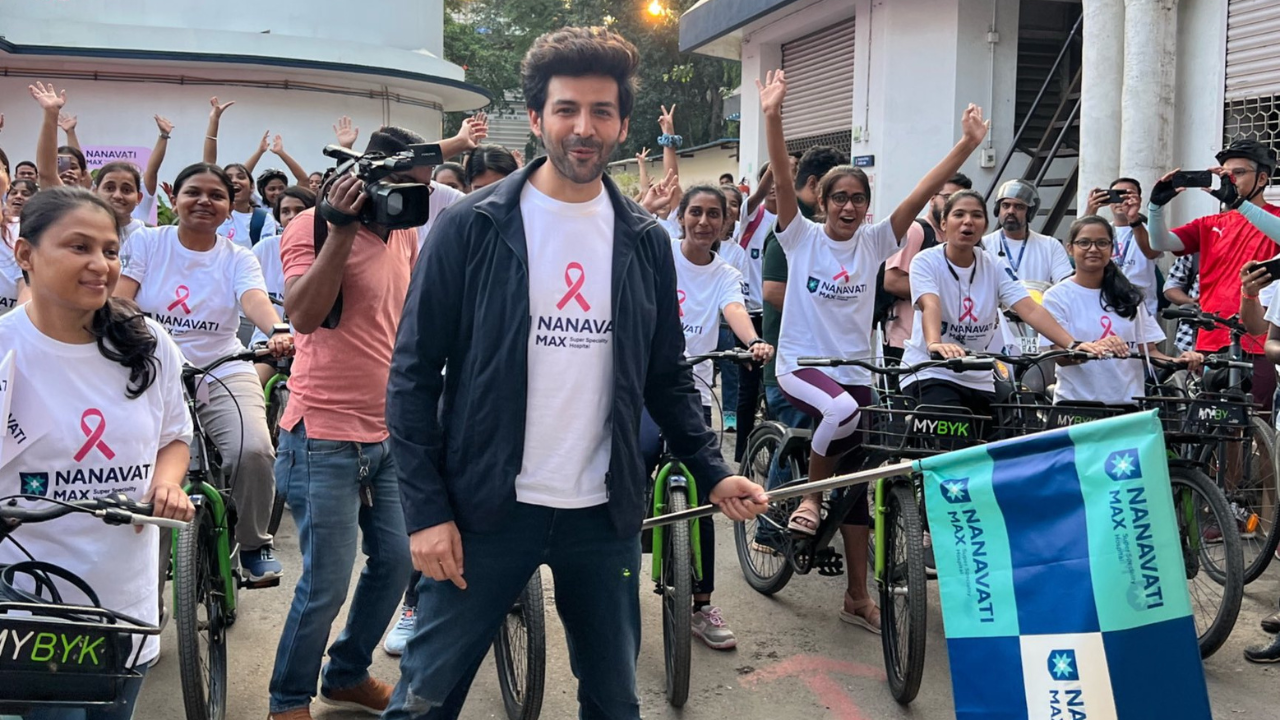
1019 190
1253 150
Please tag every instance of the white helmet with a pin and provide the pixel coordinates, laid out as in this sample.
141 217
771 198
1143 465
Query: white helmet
1020 190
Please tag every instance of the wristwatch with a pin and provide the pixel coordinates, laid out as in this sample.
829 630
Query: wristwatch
753 343
1075 344
279 328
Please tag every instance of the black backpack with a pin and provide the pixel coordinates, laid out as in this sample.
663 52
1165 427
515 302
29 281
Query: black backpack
885 300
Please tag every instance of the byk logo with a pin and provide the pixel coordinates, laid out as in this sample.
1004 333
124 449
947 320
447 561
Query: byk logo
35 483
1062 666
956 492
813 285
1123 465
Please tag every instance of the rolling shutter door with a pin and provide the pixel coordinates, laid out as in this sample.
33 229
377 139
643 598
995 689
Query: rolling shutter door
819 104
1253 75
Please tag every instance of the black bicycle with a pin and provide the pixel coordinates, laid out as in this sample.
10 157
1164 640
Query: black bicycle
520 653
106 645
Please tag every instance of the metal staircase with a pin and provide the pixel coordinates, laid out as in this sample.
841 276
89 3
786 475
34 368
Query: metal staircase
1049 132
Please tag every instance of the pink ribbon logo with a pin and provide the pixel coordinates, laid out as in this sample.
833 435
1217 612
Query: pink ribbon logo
183 294
1106 327
966 311
681 294
94 435
575 287
842 276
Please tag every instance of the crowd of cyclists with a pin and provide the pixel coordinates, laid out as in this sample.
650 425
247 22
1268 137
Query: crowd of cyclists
100 310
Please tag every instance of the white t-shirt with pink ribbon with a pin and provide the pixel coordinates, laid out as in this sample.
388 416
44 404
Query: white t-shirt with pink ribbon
237 228
10 273
74 435
704 292
194 295
568 433
1079 310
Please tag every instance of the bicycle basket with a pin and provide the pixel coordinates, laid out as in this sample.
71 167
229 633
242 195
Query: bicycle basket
64 655
1022 415
1218 415
1069 414
901 427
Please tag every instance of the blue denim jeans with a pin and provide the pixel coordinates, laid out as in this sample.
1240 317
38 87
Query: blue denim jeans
728 371
321 481
123 711
597 578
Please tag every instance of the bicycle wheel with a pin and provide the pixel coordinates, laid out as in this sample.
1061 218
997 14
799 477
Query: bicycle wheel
1252 493
764 543
904 597
677 598
1214 577
520 652
276 404
202 640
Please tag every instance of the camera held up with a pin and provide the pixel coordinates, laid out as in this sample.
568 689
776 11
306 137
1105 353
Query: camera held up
392 205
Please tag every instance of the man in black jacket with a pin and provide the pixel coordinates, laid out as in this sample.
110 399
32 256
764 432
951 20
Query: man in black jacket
550 300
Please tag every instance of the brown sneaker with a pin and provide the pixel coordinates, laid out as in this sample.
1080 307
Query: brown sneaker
372 696
302 713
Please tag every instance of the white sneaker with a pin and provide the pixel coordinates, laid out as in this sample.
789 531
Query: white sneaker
709 627
400 634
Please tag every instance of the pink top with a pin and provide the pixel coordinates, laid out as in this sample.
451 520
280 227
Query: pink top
339 379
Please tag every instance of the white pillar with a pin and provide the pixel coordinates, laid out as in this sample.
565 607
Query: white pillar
1147 105
1102 87
1202 52
758 59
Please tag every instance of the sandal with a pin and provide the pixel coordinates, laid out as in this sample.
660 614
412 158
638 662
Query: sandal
805 520
865 614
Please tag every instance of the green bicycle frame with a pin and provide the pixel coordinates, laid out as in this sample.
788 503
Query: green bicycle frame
881 484
218 507
271 384
660 508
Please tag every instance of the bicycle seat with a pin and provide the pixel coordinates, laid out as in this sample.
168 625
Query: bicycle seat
795 440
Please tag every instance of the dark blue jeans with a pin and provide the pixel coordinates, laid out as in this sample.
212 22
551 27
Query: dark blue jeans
320 479
728 371
597 579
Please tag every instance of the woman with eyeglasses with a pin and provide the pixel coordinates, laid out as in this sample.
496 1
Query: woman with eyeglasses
1099 303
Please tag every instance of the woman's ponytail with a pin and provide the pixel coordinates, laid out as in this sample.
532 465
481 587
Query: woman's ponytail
1118 294
123 337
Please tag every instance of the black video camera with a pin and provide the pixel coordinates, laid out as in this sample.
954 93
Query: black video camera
394 206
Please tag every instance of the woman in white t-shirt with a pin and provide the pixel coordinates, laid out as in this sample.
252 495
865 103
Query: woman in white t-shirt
827 312
1100 303
238 225
97 387
120 184
12 285
195 283
708 288
957 292
290 202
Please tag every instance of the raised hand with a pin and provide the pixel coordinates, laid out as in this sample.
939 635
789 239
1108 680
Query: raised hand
164 125
264 142
67 122
772 92
643 155
973 126
168 192
216 110
277 145
49 98
519 158
474 130
346 132
1164 191
1 121
667 120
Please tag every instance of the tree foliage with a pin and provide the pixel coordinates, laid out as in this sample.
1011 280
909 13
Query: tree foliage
490 37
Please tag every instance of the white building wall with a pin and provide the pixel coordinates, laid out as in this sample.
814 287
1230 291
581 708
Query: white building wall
112 113
1199 88
918 65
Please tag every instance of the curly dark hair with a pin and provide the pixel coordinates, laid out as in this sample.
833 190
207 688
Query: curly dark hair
580 52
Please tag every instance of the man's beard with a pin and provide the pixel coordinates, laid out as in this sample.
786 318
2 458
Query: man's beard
579 172
1011 223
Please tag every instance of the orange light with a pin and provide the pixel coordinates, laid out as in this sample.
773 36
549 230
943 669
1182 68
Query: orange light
656 9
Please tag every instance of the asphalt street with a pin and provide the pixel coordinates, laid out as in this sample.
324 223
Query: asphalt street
794 658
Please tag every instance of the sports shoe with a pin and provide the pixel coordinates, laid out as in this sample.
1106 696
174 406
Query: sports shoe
731 422
400 634
1264 653
260 565
709 627
302 713
930 564
371 696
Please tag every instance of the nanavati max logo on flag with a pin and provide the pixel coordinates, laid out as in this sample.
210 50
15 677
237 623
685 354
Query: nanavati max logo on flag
1061 575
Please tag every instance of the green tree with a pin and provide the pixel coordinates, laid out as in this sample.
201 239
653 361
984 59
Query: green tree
490 37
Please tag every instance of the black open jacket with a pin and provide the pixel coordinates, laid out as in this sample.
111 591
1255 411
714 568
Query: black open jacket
468 310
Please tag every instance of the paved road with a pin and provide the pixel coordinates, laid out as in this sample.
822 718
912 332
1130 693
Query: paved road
794 659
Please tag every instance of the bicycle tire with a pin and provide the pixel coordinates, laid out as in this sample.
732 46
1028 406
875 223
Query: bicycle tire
677 599
1261 443
1189 512
195 577
520 653
766 569
276 404
904 624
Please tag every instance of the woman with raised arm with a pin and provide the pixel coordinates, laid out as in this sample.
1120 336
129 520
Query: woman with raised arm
830 298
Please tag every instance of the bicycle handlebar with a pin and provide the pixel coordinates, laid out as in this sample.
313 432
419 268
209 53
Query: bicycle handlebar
115 509
734 354
256 352
956 364
1026 361
1203 320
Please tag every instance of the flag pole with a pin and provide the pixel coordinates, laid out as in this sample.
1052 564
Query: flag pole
791 491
